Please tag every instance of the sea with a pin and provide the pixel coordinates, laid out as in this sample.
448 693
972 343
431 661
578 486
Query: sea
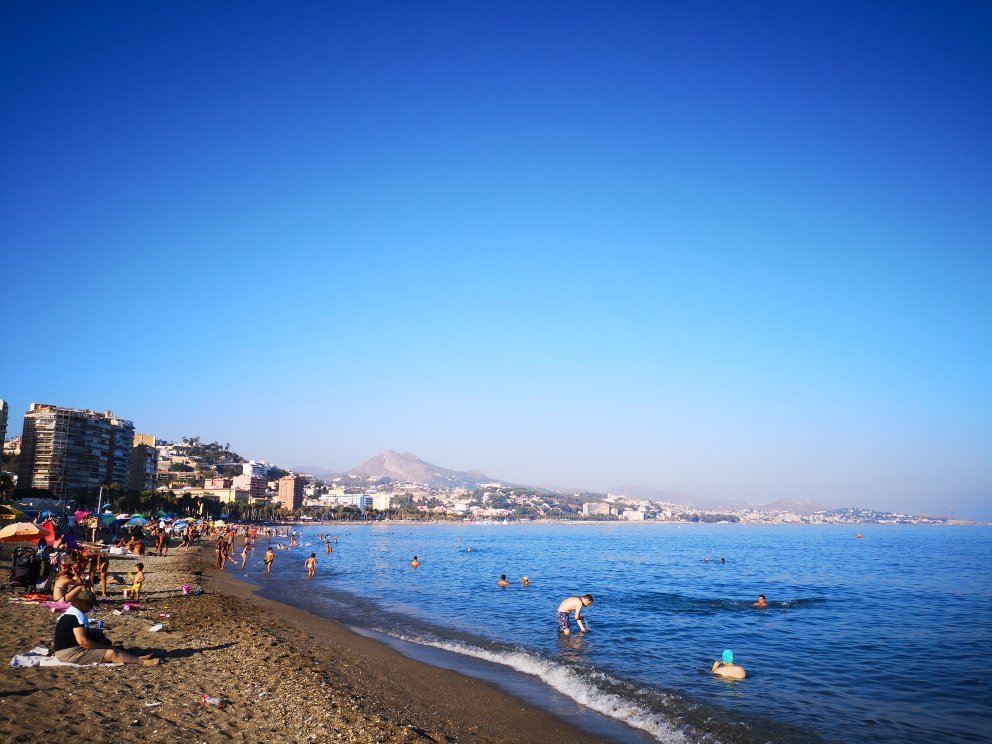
886 637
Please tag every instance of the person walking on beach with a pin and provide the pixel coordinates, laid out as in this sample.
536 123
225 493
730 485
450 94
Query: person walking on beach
569 605
311 565
727 668
270 556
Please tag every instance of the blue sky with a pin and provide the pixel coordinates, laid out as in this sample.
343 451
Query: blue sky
737 252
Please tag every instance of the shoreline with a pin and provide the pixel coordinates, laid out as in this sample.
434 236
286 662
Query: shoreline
281 672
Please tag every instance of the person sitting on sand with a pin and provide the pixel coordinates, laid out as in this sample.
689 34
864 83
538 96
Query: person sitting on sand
502 581
572 604
139 578
66 585
75 645
311 564
414 562
269 557
762 602
727 668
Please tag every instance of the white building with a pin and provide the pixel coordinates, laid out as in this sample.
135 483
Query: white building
255 467
381 501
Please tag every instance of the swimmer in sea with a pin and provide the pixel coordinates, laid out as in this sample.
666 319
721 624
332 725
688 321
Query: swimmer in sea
414 562
311 565
572 604
502 581
762 602
525 581
727 668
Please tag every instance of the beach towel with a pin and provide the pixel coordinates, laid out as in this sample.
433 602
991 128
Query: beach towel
38 657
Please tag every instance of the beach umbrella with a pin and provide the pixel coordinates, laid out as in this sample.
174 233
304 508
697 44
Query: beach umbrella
137 522
179 524
139 515
23 532
219 523
81 515
123 516
9 513
108 518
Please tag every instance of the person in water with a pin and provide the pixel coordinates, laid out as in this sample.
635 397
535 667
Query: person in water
727 668
569 605
762 602
414 562
502 581
525 581
269 557
311 565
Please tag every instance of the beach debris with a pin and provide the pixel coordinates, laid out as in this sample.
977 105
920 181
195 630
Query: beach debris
153 703
164 614
213 701
156 628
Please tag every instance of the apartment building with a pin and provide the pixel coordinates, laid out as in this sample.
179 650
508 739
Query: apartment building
144 463
67 451
291 492
3 421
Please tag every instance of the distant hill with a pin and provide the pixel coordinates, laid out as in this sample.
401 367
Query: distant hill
803 508
316 471
408 467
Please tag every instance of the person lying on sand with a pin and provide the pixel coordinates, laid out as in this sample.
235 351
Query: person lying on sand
727 668
74 643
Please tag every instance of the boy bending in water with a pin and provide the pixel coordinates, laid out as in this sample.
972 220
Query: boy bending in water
572 604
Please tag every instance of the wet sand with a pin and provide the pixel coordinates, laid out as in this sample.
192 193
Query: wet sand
282 673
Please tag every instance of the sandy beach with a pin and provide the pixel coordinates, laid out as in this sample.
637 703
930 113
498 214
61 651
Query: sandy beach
281 673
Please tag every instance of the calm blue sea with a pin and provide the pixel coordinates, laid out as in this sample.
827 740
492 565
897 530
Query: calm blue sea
880 639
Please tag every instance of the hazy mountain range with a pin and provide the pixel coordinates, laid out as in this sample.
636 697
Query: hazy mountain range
406 466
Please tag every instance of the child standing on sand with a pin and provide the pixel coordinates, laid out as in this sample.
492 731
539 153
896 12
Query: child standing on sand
139 578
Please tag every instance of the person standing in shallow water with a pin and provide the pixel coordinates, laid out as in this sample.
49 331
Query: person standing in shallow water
270 556
502 581
569 605
414 562
311 565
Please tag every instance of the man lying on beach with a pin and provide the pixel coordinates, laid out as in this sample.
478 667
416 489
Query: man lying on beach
572 604
74 643
727 668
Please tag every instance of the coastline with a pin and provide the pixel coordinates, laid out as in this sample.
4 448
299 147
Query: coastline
280 671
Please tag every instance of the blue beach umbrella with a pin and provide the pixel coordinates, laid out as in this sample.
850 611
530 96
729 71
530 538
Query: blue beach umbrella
180 524
136 521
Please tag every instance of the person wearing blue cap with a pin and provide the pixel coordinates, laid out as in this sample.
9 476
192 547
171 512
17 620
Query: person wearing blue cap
727 668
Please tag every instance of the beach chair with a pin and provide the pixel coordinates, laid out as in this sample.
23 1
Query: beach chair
24 570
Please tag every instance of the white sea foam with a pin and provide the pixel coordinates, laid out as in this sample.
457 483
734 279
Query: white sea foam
571 684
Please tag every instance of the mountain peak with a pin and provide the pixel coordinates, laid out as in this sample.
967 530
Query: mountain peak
406 466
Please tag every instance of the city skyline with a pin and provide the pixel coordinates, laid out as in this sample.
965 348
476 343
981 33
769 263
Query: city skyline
740 253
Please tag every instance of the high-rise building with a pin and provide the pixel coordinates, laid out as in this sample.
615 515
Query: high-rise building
3 421
291 492
256 467
144 463
69 451
254 484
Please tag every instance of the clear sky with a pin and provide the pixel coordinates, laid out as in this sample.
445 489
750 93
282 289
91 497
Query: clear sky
740 250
